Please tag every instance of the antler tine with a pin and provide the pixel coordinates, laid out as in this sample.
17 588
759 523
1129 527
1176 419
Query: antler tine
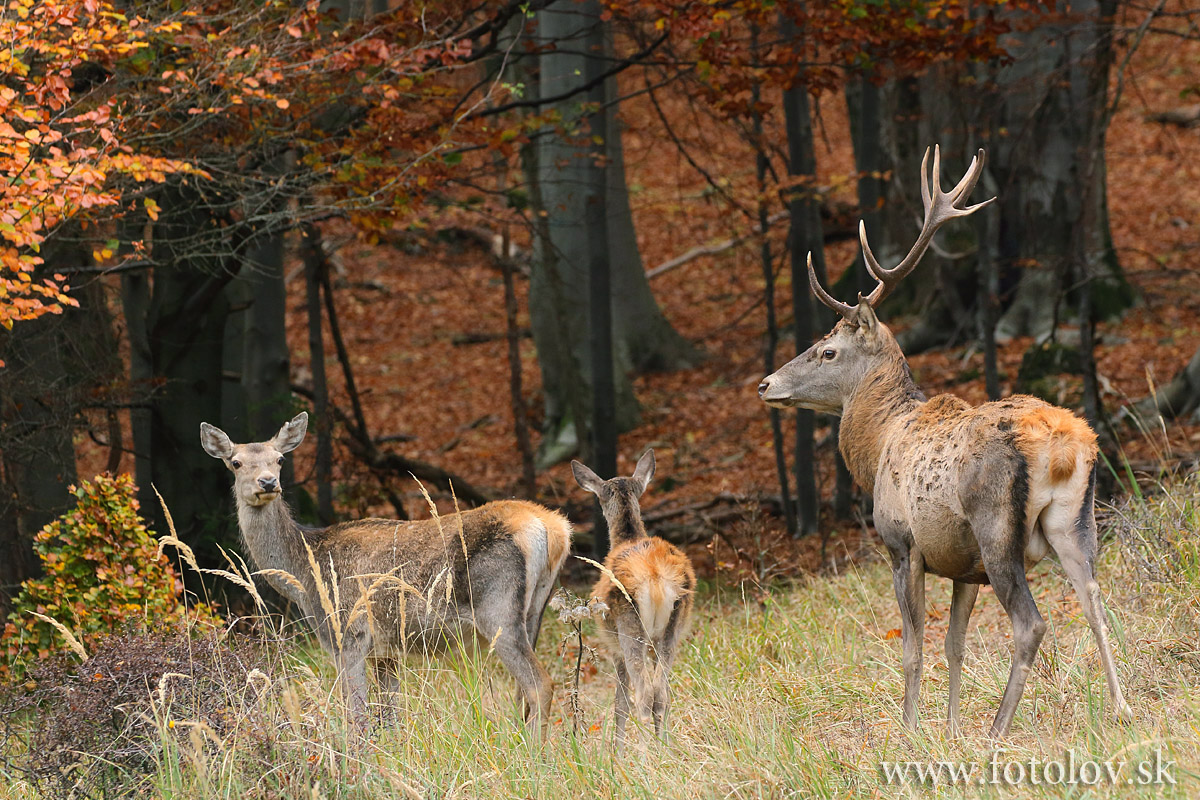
926 200
842 308
964 188
940 208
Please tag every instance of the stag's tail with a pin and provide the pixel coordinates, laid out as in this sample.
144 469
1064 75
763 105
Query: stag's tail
1059 437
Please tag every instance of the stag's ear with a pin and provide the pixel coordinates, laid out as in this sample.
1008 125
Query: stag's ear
291 434
644 471
864 316
586 478
214 441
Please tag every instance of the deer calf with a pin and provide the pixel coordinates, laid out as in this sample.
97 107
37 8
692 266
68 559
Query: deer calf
974 494
372 587
650 609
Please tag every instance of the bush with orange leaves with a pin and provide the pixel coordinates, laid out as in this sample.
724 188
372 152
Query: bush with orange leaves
101 571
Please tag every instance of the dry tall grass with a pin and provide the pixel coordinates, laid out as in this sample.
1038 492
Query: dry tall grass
796 695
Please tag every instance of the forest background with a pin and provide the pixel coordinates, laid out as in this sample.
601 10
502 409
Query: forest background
404 219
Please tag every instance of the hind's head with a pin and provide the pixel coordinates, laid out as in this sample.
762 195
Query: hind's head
255 466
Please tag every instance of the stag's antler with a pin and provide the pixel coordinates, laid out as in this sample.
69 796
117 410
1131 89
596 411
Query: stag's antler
940 208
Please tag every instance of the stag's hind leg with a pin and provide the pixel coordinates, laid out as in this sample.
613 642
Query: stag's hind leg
1004 560
1072 535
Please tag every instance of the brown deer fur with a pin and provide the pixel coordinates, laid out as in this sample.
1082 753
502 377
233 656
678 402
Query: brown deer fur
974 494
402 585
648 589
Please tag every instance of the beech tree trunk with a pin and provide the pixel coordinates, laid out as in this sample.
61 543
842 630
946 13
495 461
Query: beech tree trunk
557 168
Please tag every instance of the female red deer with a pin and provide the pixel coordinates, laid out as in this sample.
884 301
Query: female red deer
974 494
373 587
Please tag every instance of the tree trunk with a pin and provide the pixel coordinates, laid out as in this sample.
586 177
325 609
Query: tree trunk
804 237
1048 167
52 366
314 267
557 168
135 308
603 450
185 329
258 398
38 455
863 104
761 165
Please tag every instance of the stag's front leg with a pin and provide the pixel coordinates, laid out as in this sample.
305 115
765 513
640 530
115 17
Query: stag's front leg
908 578
961 603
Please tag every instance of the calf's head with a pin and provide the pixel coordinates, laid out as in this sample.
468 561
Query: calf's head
618 496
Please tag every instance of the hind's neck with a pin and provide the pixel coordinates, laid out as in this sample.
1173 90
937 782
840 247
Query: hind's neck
275 541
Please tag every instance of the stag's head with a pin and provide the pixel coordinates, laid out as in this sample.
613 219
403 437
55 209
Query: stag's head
823 377
255 466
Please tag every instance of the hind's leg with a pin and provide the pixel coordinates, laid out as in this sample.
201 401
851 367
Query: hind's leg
352 674
537 609
500 620
1074 540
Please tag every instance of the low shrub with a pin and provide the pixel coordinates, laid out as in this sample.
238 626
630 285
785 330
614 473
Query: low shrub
101 569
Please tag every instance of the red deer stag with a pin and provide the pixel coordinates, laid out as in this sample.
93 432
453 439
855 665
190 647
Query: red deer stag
974 494
393 583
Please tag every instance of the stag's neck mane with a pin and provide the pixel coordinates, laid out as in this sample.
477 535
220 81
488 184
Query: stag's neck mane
276 541
884 394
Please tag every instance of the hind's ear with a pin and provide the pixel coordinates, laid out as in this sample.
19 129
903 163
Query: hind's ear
644 471
586 478
291 434
214 441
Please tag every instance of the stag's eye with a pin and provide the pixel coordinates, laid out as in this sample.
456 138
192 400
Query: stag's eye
828 353
235 463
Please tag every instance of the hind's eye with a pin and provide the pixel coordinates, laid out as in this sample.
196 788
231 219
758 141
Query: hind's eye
828 353
279 460
236 464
